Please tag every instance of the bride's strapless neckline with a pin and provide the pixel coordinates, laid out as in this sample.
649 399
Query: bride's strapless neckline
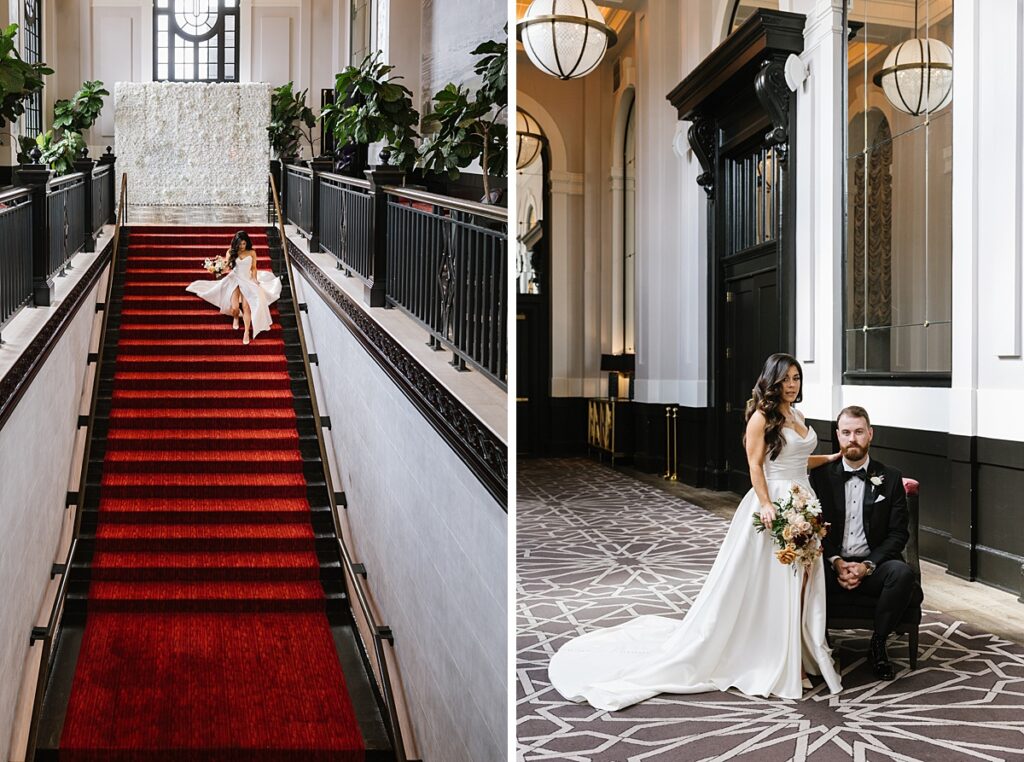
801 436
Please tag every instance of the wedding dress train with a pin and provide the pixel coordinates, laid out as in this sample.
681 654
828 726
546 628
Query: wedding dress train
259 293
744 630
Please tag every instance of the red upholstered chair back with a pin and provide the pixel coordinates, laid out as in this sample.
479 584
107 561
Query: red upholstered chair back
911 553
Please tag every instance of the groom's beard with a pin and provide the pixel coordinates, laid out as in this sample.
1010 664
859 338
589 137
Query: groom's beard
855 452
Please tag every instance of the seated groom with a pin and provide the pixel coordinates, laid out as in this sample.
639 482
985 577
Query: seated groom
866 505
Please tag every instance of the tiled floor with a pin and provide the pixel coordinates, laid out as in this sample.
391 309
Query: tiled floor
196 215
596 547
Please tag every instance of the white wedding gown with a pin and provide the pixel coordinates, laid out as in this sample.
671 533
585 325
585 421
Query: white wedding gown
259 293
743 631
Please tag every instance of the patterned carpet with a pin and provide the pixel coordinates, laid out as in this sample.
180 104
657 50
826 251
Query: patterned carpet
596 547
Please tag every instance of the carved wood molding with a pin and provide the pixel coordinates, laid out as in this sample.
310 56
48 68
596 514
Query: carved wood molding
17 380
476 445
774 95
701 136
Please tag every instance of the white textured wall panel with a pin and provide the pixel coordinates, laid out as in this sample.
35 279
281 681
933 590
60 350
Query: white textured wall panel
193 143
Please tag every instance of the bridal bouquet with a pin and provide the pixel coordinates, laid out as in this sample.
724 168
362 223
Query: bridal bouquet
216 266
797 528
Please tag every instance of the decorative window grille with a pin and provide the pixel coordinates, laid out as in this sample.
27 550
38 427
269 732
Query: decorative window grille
195 40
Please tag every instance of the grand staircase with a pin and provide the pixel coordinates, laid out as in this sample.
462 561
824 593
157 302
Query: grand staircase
206 615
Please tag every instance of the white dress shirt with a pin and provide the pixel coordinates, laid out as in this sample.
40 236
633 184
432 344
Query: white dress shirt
855 541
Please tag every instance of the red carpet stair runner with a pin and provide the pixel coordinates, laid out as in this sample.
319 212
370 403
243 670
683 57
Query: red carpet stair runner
207 576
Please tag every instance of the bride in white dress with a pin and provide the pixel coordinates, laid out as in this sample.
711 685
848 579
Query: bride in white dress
757 625
244 289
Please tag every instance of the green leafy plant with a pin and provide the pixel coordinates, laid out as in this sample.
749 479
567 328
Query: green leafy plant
18 80
291 121
370 107
464 128
63 143
60 152
83 109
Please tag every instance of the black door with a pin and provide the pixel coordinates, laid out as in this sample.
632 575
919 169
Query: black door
752 333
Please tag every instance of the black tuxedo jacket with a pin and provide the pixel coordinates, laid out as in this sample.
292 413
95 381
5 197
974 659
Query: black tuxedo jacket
886 517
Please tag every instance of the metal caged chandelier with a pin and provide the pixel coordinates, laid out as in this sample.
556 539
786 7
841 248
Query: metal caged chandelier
565 38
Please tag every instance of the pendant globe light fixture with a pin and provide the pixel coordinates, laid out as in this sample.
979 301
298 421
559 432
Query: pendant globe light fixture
917 75
528 139
565 38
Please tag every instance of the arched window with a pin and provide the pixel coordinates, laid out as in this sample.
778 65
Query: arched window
195 40
899 247
32 52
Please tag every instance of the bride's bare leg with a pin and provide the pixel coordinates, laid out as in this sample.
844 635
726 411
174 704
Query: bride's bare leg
247 317
234 306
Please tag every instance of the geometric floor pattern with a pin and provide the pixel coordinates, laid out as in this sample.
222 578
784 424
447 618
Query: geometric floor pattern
596 547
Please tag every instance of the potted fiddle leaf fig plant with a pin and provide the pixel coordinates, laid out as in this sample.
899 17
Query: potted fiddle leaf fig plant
19 80
63 143
291 122
371 106
464 127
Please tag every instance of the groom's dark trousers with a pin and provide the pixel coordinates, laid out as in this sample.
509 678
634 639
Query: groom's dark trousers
886 519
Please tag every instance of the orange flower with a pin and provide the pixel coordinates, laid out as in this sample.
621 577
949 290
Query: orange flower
786 555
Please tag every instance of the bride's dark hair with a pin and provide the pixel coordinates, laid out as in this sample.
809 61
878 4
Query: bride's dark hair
236 244
767 394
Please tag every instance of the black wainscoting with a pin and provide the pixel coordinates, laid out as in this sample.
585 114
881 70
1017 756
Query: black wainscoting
970 499
971 519
567 423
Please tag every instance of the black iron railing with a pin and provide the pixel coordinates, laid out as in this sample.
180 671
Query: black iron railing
299 195
15 252
380 635
47 634
66 202
446 267
439 259
346 222
102 196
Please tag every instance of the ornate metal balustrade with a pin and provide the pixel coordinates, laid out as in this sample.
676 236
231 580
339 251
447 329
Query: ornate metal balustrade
299 198
15 252
66 202
446 267
346 222
102 196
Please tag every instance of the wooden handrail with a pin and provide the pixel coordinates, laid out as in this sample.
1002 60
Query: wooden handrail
379 633
498 213
353 181
46 634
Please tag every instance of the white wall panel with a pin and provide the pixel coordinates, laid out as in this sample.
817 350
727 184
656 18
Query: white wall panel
434 544
275 46
36 446
115 52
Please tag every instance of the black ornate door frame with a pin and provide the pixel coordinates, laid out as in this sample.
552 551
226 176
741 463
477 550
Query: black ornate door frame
748 65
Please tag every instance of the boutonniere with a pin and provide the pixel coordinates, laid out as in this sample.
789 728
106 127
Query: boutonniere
878 480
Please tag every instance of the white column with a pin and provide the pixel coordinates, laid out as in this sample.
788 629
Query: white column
963 398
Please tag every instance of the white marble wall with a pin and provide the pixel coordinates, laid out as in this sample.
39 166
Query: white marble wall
434 544
36 448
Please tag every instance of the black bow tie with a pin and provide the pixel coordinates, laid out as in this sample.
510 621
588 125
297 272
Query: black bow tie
859 474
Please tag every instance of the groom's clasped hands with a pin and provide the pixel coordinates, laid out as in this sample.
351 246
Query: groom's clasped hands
849 573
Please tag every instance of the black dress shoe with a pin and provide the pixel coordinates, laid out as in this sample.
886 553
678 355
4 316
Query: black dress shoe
880 660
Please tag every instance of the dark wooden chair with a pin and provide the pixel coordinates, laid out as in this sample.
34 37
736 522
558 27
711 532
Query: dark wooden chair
857 612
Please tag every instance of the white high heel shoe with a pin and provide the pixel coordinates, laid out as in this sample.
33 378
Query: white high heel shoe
234 324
